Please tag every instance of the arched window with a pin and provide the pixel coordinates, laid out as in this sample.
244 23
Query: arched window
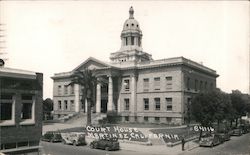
132 40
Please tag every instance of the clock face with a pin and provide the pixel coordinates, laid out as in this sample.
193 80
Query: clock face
1 62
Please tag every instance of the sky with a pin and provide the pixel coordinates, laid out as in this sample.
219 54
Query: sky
56 36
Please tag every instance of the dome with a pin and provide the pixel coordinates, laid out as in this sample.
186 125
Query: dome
131 25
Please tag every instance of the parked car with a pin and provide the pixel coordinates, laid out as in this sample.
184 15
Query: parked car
210 140
245 128
106 144
74 138
237 131
224 135
52 136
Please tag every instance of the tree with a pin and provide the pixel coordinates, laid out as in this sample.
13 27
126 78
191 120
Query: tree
221 106
88 81
47 107
240 105
201 110
209 107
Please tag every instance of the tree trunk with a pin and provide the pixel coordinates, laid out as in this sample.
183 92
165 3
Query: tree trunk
218 125
236 123
200 135
88 112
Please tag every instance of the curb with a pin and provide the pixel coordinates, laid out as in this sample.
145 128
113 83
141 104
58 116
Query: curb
193 148
169 144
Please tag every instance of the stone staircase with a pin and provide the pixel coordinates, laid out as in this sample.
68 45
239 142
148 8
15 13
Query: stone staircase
98 117
81 118
77 117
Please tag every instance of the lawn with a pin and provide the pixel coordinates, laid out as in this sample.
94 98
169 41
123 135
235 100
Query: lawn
124 134
181 132
76 129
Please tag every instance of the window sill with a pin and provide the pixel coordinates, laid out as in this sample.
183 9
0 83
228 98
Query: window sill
7 123
27 122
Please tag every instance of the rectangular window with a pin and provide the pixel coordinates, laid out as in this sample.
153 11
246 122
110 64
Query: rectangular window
72 104
189 102
126 101
195 85
6 111
72 89
59 89
6 105
127 118
211 86
205 87
146 103
169 119
135 118
157 83
146 84
27 107
169 104
169 82
26 111
65 89
201 85
188 83
66 104
59 105
157 119
145 118
126 85
157 104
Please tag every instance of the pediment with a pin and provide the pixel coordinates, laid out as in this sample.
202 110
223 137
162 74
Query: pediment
91 63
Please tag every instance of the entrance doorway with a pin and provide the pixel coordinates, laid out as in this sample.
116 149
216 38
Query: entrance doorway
104 104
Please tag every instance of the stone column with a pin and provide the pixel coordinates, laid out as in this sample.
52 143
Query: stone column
133 94
86 106
110 94
119 94
77 98
136 41
98 98
129 41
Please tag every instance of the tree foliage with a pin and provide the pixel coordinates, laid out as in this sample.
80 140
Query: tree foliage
240 104
211 106
201 108
47 105
47 108
217 106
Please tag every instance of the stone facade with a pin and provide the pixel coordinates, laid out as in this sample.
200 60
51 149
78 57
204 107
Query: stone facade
21 111
139 88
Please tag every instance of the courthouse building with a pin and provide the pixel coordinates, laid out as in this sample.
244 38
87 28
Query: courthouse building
20 111
139 88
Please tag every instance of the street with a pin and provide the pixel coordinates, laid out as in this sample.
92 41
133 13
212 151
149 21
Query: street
235 146
61 149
